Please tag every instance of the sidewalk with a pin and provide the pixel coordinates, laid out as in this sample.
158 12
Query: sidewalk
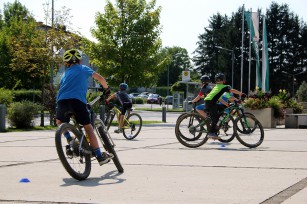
158 169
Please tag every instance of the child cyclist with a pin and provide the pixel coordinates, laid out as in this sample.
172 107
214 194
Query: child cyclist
205 89
211 102
125 101
71 97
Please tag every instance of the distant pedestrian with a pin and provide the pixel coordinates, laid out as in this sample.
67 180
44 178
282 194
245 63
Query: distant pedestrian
160 100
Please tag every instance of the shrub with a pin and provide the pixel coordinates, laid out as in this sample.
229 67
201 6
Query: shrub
138 101
6 97
276 104
302 92
21 114
27 95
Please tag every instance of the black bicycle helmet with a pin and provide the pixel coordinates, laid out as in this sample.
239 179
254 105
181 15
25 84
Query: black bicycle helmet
205 79
123 86
219 77
72 56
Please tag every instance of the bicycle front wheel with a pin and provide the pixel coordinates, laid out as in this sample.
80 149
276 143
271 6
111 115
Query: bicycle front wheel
132 126
227 131
109 147
251 132
76 162
189 130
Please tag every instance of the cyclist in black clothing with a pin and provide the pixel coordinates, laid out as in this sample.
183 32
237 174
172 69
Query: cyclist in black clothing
125 101
213 97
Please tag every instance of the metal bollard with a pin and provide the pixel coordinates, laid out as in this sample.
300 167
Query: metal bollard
102 111
164 114
2 117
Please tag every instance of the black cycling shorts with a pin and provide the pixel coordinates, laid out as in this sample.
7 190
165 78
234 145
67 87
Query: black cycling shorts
126 106
66 106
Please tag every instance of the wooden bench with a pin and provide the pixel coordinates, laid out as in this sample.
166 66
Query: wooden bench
296 121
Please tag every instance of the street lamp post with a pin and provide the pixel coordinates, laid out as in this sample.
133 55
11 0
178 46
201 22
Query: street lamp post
232 60
293 79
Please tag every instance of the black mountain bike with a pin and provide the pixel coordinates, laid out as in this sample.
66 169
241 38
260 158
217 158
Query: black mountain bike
191 129
78 164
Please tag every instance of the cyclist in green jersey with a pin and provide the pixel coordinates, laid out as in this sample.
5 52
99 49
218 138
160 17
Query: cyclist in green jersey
215 96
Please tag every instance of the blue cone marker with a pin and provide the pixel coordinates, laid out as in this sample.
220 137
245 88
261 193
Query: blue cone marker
24 180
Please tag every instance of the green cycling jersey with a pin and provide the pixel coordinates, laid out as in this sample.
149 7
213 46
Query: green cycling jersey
217 91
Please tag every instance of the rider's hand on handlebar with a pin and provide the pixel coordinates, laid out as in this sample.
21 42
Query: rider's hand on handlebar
190 102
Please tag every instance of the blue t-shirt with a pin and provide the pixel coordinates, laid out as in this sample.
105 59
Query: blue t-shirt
74 83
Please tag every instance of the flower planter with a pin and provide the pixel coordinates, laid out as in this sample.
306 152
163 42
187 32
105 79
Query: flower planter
265 116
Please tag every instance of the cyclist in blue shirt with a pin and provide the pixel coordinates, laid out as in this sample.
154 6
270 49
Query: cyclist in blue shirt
125 101
71 97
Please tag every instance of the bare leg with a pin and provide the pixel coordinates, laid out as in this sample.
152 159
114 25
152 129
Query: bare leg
201 112
121 121
90 132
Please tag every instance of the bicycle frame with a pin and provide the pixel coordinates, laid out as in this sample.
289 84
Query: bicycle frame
117 112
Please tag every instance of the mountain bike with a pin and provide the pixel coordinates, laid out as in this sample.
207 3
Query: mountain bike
78 164
132 121
191 129
191 135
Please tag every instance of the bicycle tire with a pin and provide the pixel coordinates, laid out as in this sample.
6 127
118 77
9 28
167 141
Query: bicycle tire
186 128
109 118
253 134
227 128
135 126
242 123
81 161
110 148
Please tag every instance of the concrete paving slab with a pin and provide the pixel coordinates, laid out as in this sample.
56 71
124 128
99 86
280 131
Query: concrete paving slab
158 169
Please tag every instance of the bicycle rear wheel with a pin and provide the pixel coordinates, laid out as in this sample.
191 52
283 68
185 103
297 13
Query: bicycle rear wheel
189 130
109 147
227 130
76 162
251 132
133 127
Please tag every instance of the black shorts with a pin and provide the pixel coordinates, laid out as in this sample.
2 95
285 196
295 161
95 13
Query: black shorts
125 107
66 106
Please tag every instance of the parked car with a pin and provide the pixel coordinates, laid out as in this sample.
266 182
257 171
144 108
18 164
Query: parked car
133 95
153 98
168 100
142 96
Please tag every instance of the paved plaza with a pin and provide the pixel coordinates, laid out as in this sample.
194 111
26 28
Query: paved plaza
158 169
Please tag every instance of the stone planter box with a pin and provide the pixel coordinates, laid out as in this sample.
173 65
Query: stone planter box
265 116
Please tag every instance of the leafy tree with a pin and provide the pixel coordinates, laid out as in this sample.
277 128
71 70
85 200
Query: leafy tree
15 11
128 42
302 92
177 61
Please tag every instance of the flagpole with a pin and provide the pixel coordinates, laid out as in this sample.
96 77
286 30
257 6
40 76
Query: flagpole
249 52
242 47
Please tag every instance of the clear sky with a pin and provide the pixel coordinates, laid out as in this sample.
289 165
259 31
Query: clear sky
182 20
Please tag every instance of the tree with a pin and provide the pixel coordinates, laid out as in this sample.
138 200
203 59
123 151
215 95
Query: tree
128 42
207 57
287 52
177 61
287 47
15 11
